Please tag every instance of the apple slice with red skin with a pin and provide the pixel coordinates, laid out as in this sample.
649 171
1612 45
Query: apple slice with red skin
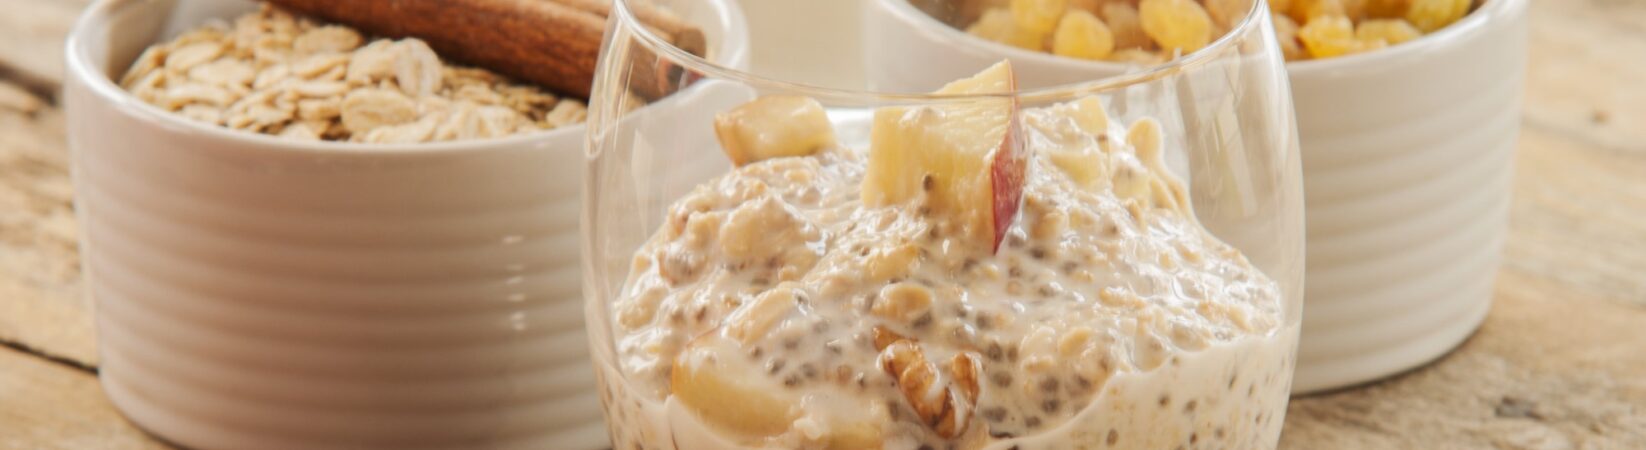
964 158
1006 172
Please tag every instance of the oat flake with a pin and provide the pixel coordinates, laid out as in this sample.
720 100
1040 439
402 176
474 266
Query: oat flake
275 73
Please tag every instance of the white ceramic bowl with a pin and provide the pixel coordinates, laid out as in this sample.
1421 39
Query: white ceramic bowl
1406 157
1400 203
1398 139
259 293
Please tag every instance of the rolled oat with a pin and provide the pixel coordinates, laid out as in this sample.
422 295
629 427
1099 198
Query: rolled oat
276 73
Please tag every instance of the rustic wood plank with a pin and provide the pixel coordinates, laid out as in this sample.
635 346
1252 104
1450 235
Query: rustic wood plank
1582 193
18 99
48 406
40 302
31 38
1552 368
1556 366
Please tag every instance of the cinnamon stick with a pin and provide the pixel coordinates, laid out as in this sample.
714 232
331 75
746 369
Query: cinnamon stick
543 42
674 30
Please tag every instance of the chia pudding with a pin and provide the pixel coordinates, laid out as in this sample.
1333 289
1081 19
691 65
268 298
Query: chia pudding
781 306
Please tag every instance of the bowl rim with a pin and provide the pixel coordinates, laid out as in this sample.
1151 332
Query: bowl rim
80 68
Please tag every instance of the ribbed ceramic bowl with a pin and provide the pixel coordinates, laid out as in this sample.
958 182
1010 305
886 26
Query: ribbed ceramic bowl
258 293
1407 153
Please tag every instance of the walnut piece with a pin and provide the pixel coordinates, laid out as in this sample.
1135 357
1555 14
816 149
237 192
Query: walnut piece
949 414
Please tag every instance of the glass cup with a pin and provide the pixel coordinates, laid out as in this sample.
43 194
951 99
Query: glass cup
1116 263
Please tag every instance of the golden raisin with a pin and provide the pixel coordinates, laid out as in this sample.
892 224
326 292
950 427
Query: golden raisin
998 25
1038 16
1305 11
1391 31
1286 34
1177 25
1431 15
1227 12
1090 6
1355 9
1384 9
1330 36
1081 35
1127 27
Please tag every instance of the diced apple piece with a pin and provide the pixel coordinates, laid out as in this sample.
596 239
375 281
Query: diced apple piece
715 379
855 436
1090 115
1084 166
965 157
1146 139
773 126
753 320
844 422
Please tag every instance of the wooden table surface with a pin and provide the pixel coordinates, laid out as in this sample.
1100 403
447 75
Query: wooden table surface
1559 364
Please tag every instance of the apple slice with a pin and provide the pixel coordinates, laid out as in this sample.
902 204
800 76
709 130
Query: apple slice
773 126
1086 165
715 379
966 158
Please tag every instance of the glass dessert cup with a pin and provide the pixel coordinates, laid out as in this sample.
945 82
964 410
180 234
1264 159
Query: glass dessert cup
1116 264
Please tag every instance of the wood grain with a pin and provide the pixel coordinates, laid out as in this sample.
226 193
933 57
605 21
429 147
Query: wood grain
41 306
31 36
48 406
1557 365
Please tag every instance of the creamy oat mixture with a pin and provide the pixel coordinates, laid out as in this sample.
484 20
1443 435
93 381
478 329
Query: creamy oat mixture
276 73
773 308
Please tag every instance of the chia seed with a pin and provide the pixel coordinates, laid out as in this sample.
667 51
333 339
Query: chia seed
1048 385
994 414
994 352
1002 379
922 321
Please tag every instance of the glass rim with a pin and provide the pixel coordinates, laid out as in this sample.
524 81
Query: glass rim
624 16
